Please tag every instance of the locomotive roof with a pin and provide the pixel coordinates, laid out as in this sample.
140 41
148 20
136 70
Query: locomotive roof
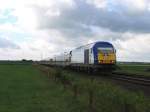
99 43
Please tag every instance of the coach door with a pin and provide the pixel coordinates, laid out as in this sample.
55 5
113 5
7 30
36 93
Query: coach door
86 56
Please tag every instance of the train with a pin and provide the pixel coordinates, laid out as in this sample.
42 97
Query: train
99 55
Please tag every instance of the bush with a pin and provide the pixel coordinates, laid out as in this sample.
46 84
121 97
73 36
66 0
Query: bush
76 87
66 80
91 87
58 74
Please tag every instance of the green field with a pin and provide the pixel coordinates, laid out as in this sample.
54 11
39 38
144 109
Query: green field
135 69
24 88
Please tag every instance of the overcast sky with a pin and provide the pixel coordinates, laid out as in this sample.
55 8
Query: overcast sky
36 29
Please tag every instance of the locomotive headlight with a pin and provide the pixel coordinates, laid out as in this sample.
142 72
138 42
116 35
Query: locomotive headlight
112 61
100 61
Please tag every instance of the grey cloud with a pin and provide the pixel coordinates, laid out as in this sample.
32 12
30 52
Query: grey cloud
77 21
4 43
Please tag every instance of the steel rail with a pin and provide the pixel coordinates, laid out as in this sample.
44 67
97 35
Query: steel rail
131 79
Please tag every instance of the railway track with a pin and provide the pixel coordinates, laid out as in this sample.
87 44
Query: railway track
131 79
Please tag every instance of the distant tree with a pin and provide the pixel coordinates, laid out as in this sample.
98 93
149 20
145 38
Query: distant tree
24 60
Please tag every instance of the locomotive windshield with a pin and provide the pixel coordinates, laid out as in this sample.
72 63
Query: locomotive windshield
106 50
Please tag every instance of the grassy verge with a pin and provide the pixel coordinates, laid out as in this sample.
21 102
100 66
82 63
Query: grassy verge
94 96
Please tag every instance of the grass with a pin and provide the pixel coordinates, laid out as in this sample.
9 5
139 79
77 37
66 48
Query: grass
135 69
15 62
26 89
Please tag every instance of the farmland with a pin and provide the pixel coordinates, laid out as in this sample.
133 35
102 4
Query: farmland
25 89
28 88
135 69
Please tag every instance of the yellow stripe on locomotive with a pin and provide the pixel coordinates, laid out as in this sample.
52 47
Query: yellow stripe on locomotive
106 56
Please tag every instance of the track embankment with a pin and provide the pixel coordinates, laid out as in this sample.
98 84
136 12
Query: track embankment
140 80
130 82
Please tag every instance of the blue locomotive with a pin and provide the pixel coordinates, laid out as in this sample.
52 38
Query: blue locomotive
91 56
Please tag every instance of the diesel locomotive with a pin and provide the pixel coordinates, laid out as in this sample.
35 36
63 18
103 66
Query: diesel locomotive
98 55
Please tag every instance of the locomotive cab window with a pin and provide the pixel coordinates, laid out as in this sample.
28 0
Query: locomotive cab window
105 50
